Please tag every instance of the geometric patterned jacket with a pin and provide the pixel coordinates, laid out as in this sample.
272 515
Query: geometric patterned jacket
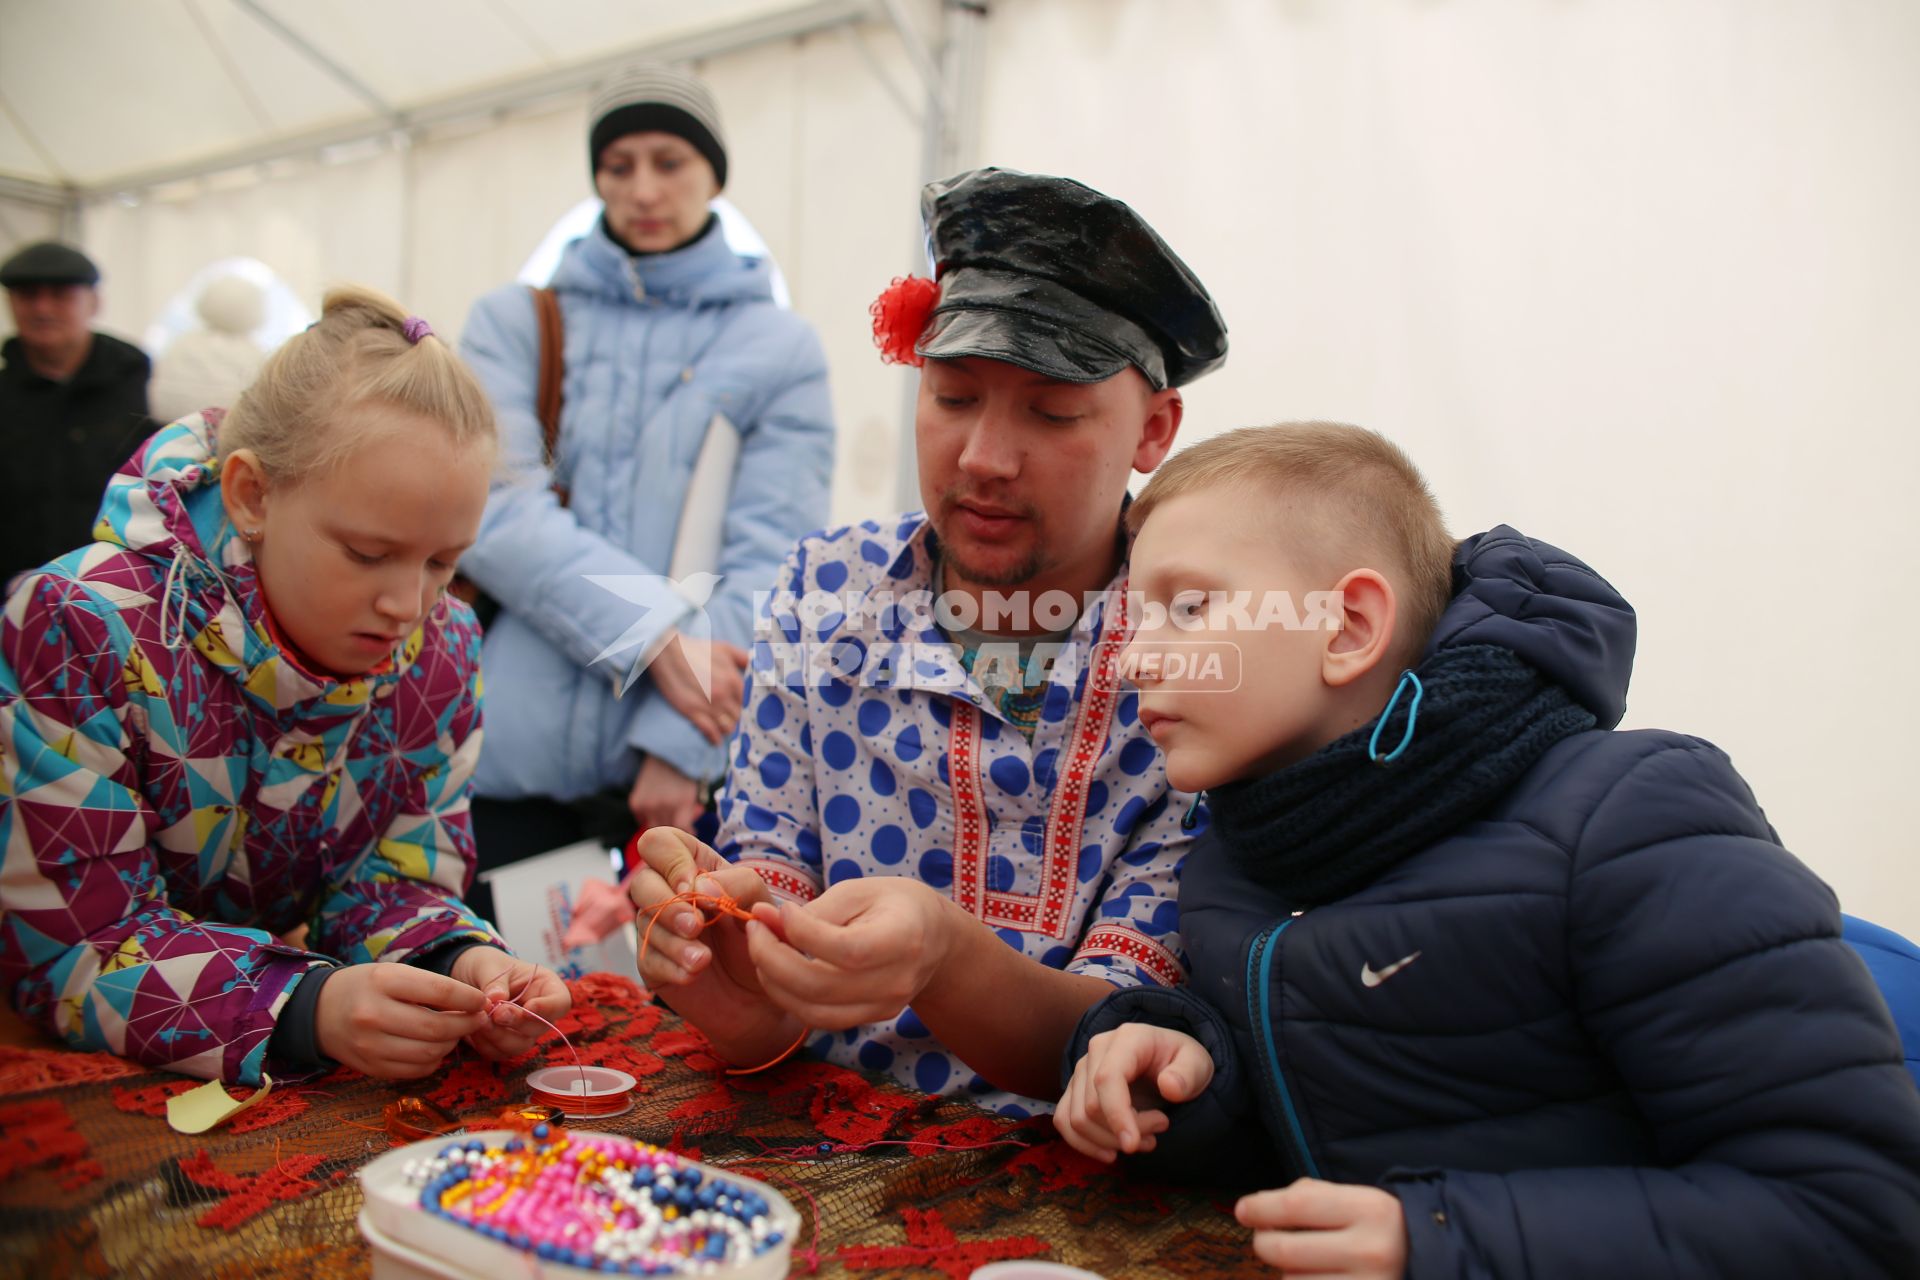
175 792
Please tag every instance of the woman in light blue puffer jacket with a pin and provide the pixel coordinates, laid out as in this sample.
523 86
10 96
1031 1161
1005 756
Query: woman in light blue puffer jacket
670 338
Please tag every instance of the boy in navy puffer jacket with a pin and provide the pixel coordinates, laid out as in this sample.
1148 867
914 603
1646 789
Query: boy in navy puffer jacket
1511 993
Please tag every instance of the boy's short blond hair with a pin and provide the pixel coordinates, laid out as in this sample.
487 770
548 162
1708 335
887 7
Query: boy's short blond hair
1346 498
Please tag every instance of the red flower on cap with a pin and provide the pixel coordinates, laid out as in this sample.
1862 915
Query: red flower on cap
900 316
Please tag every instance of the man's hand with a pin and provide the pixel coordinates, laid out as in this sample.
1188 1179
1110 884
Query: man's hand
701 965
714 710
1328 1229
1112 1103
500 978
858 953
682 943
393 1021
662 796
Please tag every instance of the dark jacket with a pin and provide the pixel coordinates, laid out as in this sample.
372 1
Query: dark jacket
62 441
1632 1043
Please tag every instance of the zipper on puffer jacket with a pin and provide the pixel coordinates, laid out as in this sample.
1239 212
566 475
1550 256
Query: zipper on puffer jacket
1260 1022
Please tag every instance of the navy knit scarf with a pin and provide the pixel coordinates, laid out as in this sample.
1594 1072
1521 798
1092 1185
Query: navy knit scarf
1327 826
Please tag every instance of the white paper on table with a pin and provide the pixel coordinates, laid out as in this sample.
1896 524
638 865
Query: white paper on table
703 516
533 905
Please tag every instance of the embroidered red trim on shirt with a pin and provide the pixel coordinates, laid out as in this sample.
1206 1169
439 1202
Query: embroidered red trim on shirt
1048 912
1130 944
782 880
969 808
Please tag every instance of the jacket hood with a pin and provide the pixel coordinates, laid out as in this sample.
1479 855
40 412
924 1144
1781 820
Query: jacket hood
164 505
165 500
707 271
1561 617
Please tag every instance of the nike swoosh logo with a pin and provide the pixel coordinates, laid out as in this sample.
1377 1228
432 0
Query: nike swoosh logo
1372 977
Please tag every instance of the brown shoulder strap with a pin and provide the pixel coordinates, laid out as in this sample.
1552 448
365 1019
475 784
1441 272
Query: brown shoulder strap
553 363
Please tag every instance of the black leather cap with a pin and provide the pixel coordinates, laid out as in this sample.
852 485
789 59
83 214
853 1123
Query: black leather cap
48 262
1051 275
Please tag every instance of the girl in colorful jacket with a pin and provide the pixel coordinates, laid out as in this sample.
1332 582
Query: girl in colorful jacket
249 706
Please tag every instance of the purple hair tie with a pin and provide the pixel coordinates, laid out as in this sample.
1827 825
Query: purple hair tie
415 329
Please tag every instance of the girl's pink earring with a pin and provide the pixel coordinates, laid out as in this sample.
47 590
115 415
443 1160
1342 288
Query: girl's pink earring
441 611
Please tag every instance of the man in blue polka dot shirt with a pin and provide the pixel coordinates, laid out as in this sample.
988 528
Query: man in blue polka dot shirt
952 829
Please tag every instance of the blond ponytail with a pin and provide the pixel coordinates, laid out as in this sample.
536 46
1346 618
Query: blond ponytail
297 417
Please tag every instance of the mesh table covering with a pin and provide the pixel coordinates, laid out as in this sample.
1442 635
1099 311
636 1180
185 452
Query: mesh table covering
94 1183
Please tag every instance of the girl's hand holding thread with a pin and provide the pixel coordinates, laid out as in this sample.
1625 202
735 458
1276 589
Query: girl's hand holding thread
504 981
393 1021
1113 1102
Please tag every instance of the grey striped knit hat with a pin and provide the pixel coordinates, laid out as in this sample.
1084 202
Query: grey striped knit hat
656 98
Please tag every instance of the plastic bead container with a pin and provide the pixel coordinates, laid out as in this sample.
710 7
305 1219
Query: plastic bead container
567 1203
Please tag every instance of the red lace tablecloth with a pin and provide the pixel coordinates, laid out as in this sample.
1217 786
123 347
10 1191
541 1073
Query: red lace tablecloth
94 1183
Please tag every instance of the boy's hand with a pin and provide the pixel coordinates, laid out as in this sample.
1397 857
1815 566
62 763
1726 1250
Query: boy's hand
1328 1229
501 977
1112 1103
393 1021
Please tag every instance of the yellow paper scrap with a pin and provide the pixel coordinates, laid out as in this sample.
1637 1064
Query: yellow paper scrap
198 1110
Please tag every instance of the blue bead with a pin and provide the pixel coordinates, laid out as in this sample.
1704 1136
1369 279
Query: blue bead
541 1130
688 1177
826 1146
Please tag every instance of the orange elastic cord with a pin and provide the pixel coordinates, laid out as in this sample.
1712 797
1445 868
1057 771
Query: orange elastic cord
775 1061
574 1105
721 906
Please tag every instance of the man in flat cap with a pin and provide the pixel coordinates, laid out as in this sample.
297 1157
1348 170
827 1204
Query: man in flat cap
958 831
73 406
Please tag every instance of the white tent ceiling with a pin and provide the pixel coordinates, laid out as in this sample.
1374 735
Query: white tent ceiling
100 94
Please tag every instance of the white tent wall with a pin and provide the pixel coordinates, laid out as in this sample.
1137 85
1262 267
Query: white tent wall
822 160
1636 277
23 221
314 224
